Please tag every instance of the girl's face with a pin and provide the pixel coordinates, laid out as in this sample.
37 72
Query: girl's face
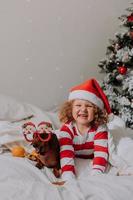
83 112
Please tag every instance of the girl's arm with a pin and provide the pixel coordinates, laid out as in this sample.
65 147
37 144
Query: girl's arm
66 155
100 149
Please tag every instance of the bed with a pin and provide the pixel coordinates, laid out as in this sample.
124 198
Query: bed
21 180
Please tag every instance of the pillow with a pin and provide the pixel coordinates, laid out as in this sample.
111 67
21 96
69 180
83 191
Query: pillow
11 109
124 149
13 115
116 123
40 115
9 132
53 116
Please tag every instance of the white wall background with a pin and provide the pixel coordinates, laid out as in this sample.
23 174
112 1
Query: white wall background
47 46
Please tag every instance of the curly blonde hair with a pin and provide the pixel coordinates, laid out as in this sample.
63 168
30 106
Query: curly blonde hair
65 114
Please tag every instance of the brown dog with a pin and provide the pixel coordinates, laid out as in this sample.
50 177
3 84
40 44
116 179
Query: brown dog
45 143
48 152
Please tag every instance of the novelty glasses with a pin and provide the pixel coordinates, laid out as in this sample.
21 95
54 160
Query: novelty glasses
30 131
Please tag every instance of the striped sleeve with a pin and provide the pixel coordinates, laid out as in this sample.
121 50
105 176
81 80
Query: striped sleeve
67 153
100 148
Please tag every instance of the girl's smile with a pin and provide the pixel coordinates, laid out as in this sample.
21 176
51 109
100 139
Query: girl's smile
83 112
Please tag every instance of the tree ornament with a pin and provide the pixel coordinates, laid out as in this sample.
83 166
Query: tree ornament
130 18
122 70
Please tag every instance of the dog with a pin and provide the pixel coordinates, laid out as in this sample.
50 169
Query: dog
48 153
46 145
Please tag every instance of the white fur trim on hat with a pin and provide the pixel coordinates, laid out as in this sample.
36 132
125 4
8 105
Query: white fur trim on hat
85 95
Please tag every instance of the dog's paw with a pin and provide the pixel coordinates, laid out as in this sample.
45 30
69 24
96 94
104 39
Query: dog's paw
57 173
39 165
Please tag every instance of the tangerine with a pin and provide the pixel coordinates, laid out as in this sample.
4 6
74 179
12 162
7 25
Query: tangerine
18 151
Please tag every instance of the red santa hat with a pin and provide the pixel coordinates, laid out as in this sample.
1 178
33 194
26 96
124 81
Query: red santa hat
90 90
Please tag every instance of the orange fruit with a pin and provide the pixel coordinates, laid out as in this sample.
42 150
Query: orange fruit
18 151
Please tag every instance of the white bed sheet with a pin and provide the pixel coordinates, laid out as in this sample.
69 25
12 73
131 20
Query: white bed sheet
20 180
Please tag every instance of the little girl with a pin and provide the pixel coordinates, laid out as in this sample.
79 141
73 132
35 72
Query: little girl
84 133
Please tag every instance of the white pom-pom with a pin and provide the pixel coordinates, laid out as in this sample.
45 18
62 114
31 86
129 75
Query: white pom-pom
124 149
115 122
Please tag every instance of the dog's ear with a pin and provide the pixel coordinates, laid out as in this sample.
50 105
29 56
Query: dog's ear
54 143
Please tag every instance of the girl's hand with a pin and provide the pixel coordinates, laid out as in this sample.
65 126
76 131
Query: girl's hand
59 183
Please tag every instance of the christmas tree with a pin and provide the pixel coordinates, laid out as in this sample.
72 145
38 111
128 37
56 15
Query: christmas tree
118 66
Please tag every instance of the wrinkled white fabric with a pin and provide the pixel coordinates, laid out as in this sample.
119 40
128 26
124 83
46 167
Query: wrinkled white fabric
20 180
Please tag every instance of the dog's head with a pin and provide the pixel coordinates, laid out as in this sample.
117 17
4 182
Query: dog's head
40 146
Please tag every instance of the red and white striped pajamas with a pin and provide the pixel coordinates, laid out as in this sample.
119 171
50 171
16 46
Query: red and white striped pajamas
93 144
